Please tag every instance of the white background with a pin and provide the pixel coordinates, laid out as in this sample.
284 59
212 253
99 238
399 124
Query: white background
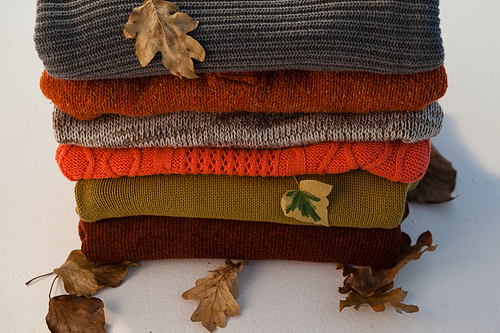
456 287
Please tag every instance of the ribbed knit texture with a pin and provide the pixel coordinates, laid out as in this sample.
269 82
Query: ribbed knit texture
153 237
394 160
83 39
275 92
358 198
245 129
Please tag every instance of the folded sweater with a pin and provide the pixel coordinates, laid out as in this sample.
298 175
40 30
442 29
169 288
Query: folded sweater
394 160
358 199
159 237
83 39
245 129
270 92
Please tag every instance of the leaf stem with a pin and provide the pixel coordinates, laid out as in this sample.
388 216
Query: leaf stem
40 276
295 178
50 291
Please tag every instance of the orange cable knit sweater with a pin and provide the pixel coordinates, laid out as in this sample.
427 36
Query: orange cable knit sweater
274 91
396 161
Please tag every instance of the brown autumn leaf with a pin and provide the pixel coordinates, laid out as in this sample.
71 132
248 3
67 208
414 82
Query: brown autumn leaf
379 300
158 29
75 314
438 182
84 278
367 280
217 293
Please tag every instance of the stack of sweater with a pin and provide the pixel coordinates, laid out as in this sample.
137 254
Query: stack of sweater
342 92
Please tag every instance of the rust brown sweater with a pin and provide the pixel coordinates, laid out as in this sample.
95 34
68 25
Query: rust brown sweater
160 237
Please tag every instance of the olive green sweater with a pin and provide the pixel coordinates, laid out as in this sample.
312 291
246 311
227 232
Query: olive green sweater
358 198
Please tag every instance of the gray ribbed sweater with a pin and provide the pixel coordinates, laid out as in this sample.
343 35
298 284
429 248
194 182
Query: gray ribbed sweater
245 129
83 39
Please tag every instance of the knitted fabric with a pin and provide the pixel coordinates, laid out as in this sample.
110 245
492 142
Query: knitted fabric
155 237
275 92
394 160
245 129
358 198
83 39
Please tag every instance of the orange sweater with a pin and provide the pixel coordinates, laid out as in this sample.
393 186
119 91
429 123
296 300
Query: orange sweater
396 161
275 91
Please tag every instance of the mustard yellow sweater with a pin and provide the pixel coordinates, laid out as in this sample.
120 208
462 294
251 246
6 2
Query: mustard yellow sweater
358 198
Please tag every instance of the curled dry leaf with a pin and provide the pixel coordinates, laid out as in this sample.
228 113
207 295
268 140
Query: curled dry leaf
372 286
367 280
84 278
438 182
217 293
379 300
75 314
308 203
157 28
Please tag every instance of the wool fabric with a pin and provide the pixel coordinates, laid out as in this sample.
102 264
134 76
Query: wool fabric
394 160
83 39
159 237
269 92
245 129
358 199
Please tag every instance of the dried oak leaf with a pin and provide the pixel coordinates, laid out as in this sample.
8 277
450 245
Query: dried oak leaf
84 278
308 203
217 293
75 314
438 182
158 29
367 280
379 300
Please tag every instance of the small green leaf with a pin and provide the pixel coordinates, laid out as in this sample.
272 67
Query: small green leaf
308 203
302 201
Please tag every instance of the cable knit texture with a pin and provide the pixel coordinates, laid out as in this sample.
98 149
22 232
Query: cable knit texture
245 129
158 237
276 92
83 39
358 198
396 161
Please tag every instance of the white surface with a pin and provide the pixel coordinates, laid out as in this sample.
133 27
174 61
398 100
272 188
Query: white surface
456 287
